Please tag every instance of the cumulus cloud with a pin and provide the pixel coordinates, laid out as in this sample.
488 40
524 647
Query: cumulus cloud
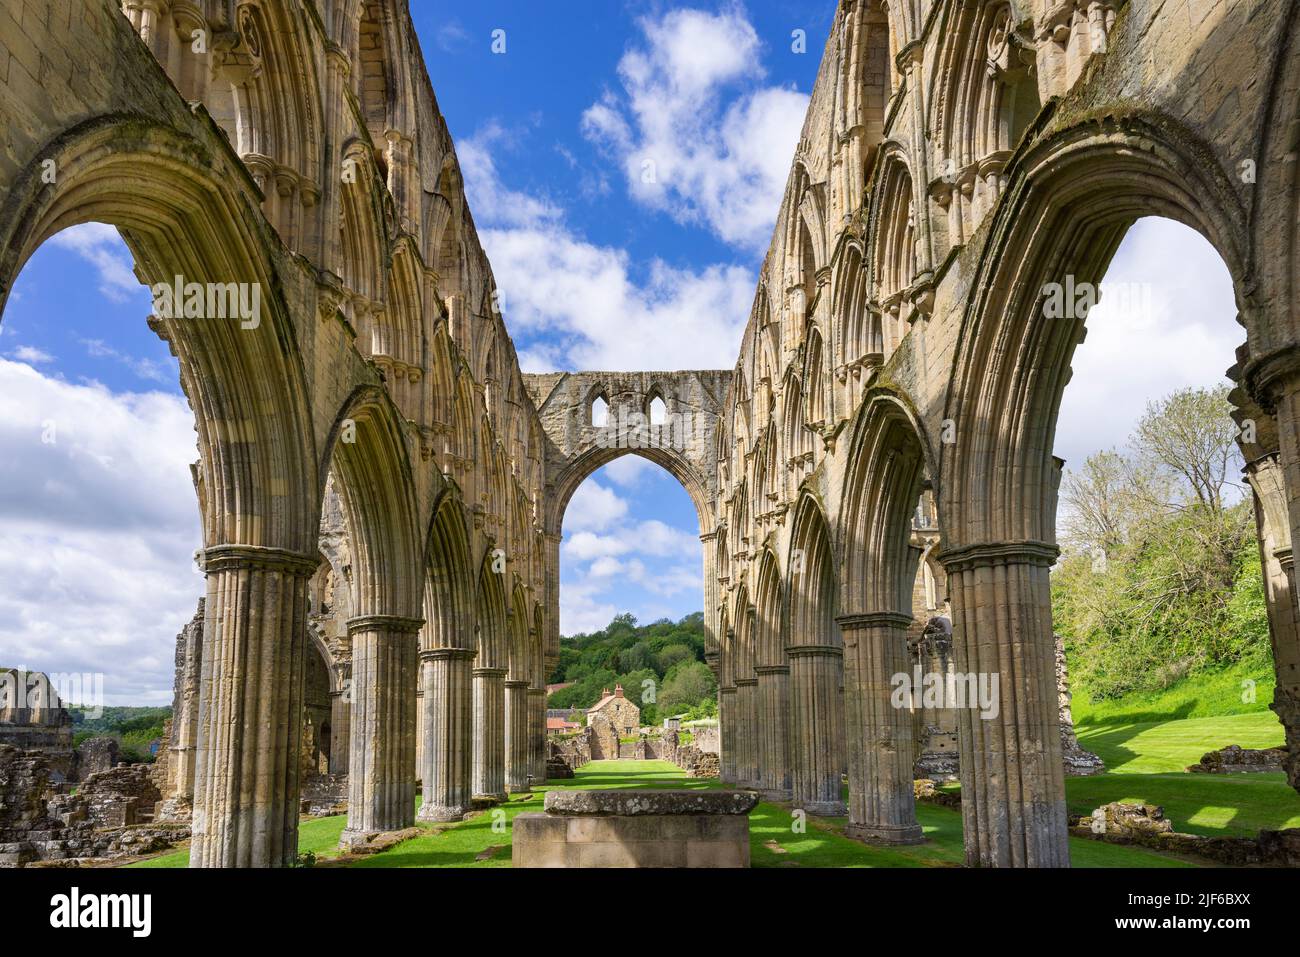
695 130
98 525
101 246
594 506
596 316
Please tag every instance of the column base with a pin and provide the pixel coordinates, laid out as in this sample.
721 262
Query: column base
351 839
885 834
439 814
825 808
777 796
518 789
480 801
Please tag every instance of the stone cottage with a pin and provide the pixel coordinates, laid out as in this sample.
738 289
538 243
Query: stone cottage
612 717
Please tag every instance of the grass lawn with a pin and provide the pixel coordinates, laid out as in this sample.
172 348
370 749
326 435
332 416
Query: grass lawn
1145 759
484 841
1164 746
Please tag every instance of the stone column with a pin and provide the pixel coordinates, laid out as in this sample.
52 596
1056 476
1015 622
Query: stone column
882 806
727 734
340 724
381 770
250 707
746 732
488 780
185 722
537 735
816 706
1278 563
773 731
517 763
445 678
420 729
1012 779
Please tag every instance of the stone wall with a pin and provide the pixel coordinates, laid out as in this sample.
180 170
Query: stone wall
111 813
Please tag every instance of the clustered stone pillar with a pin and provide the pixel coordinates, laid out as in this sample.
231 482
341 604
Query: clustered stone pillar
250 707
537 734
1012 778
727 733
516 720
489 767
773 731
445 774
381 772
746 732
882 805
1278 563
815 706
185 723
340 728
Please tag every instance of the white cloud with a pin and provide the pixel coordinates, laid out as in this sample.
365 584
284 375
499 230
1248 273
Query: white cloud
627 470
32 355
593 506
98 525
697 134
491 201
650 537
102 247
142 367
451 36
583 296
1166 321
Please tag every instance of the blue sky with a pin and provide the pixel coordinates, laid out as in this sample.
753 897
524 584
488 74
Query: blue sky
598 269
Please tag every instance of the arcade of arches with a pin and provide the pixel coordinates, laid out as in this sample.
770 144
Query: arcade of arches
382 488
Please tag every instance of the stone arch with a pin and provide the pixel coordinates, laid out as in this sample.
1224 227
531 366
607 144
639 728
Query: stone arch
518 678
815 655
863 89
581 468
257 482
746 682
854 326
277 108
367 452
1069 201
893 237
886 468
772 671
187 211
488 767
989 98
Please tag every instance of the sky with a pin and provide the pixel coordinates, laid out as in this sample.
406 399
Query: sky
604 262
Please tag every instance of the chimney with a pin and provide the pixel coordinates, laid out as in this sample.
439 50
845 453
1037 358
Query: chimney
618 691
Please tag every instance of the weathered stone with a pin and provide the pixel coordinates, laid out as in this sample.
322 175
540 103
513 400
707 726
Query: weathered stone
1235 759
656 802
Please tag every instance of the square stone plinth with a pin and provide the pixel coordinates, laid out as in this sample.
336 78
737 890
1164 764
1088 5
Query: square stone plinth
569 839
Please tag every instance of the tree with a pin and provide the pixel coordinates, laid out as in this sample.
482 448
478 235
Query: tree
687 685
1190 434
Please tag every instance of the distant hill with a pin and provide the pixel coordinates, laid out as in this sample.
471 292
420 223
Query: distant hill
660 666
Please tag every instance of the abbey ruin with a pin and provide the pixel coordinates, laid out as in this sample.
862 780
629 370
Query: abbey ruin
383 490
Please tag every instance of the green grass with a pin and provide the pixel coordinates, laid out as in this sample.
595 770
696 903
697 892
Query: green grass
819 845
1145 759
1199 695
316 835
1214 805
1153 747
